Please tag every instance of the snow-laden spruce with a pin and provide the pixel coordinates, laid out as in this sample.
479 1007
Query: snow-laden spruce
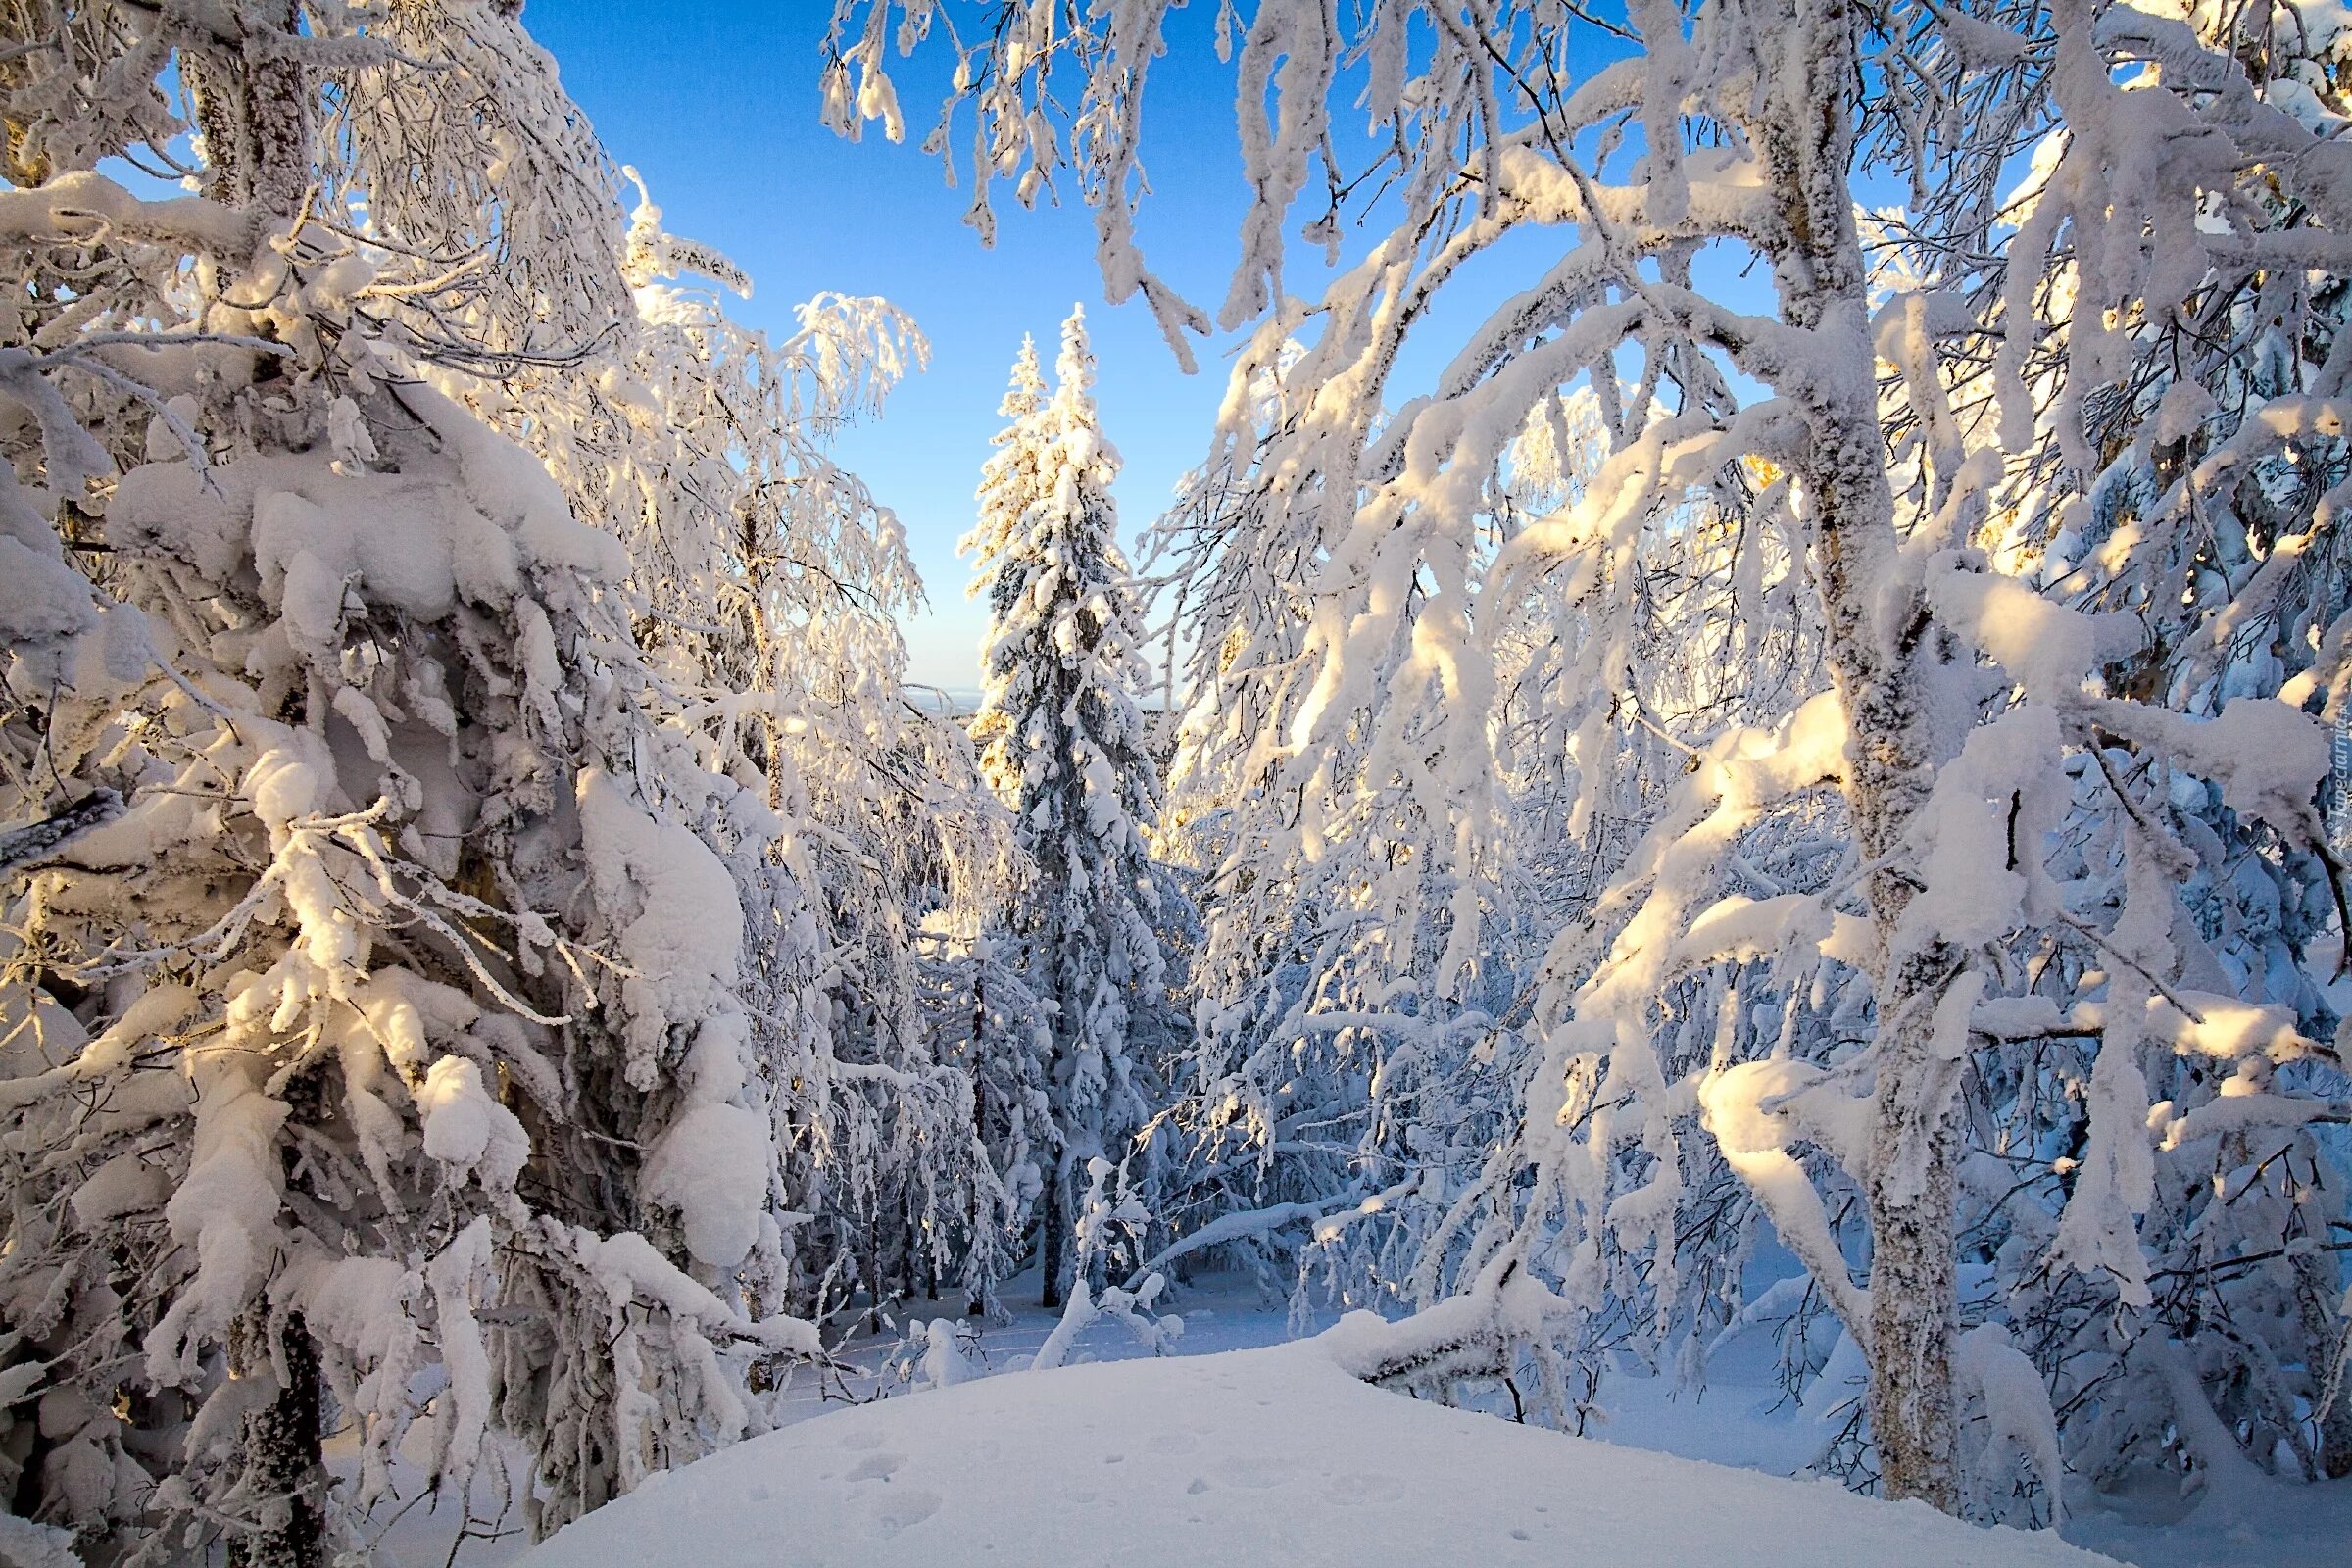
1064 742
420 997
1932 659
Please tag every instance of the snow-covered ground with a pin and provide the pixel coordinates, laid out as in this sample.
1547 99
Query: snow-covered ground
1232 1451
1273 1456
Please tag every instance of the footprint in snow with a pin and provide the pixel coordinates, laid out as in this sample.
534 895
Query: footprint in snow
910 1506
875 1467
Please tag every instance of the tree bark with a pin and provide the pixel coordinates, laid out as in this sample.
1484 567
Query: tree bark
2331 1339
1054 1231
282 1460
1874 650
254 107
1914 1288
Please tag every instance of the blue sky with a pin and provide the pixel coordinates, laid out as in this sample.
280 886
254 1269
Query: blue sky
715 102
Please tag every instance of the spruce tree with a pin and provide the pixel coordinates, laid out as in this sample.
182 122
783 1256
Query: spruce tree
1063 740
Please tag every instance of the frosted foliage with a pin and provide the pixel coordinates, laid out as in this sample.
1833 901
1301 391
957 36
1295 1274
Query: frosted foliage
285 916
1828 761
433 999
764 583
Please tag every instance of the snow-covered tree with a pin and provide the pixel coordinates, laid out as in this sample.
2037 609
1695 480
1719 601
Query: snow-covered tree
422 1010
987 1021
397 994
1064 742
767 584
1975 490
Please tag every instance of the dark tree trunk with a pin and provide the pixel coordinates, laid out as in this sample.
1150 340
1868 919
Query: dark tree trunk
2316 1296
974 1289
282 1462
1053 1234
909 1255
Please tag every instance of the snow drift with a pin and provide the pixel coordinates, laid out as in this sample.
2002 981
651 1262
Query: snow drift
1274 1455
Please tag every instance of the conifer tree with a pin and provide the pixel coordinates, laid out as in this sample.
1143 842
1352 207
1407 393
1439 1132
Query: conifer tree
1063 741
1008 481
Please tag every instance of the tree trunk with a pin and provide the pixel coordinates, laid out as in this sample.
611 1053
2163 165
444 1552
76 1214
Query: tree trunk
282 1465
253 106
976 1288
1914 1291
908 1254
1874 640
2330 1337
1054 1231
